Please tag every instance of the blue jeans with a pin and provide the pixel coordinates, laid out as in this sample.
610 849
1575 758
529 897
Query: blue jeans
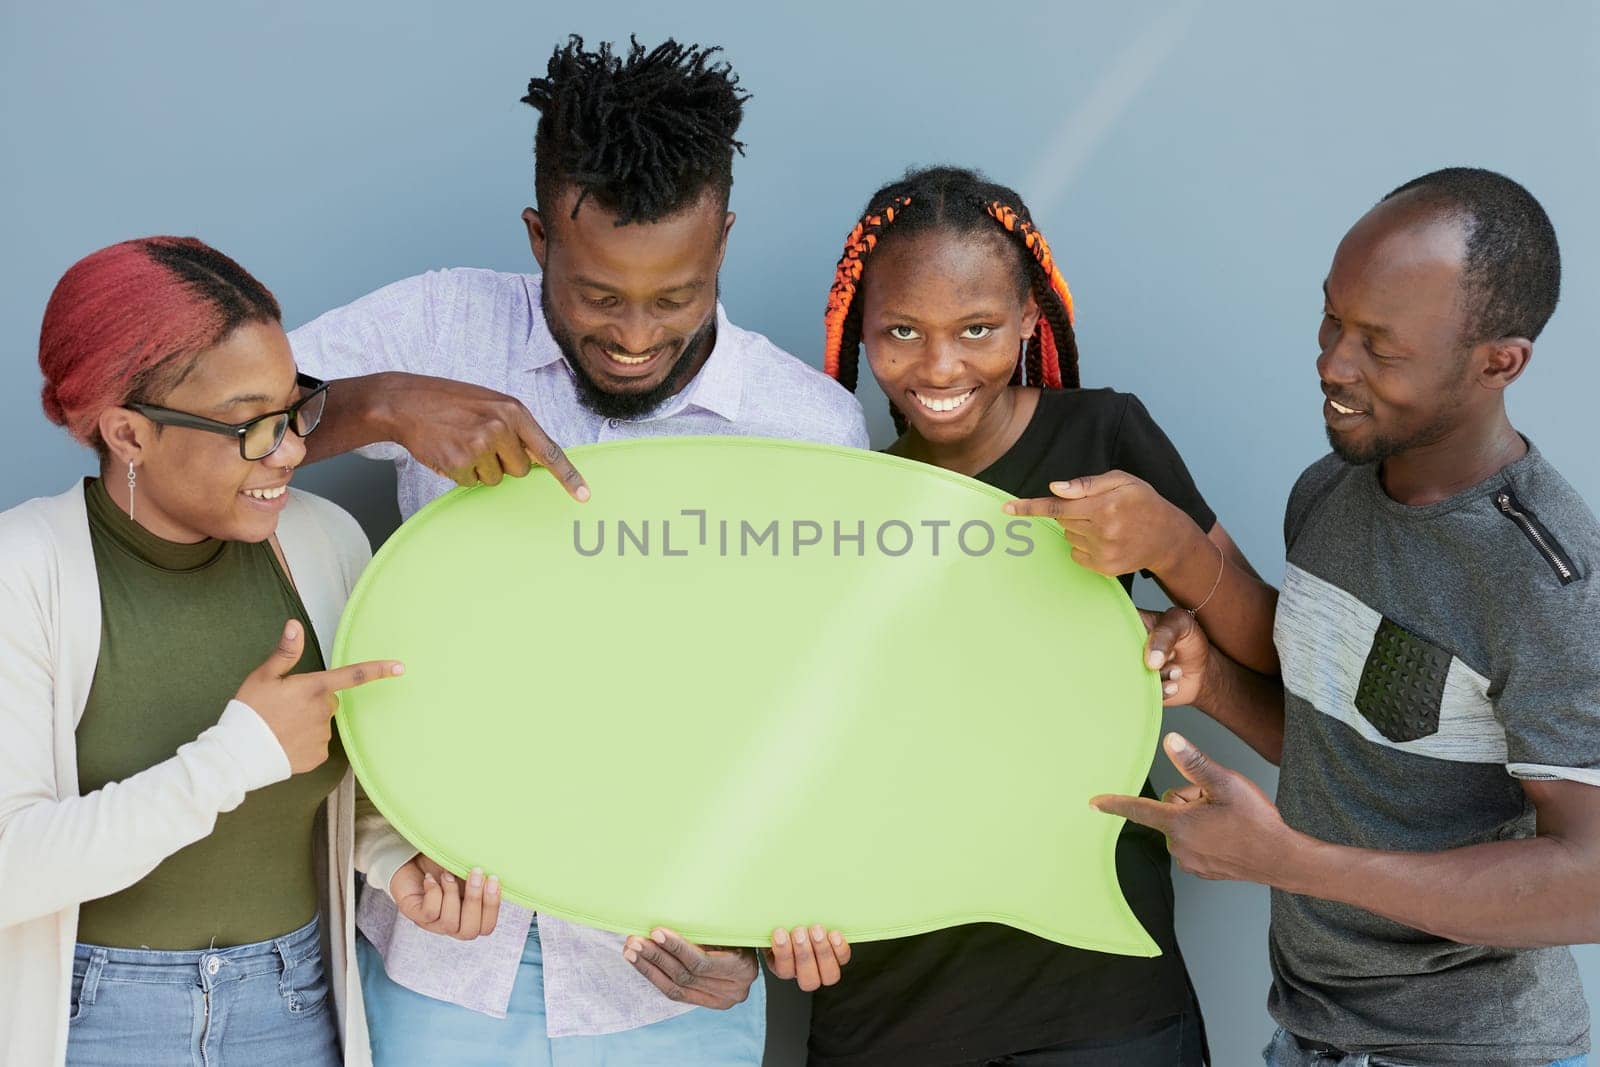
408 1028
260 1005
1285 1051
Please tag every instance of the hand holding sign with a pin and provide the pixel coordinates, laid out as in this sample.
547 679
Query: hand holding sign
1116 523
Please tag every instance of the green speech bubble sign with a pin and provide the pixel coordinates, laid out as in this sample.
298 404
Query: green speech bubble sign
696 701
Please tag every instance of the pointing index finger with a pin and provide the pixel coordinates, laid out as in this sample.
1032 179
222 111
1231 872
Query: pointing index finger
1051 507
1142 810
1087 485
354 674
545 452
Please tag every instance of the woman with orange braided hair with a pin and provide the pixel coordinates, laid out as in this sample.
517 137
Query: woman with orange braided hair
968 327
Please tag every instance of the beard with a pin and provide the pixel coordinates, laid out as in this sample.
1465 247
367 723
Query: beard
1376 450
1379 447
631 405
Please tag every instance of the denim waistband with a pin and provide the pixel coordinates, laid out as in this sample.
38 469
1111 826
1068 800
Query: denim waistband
207 965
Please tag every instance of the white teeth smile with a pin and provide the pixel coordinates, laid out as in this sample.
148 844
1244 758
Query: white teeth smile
1341 409
949 403
267 494
631 361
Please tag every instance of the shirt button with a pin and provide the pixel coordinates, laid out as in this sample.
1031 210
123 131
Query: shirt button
213 965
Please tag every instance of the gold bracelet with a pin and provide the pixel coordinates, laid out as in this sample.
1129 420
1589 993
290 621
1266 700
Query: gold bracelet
1222 566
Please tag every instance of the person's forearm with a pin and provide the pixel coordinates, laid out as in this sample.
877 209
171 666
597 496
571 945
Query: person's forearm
1528 893
1249 704
1238 606
357 414
59 852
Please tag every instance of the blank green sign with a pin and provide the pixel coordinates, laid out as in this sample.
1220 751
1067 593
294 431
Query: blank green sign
751 684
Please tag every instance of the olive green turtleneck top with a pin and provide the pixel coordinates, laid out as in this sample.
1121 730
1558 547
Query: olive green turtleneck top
181 627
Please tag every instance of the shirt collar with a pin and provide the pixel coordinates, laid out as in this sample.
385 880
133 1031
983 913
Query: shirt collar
718 388
542 347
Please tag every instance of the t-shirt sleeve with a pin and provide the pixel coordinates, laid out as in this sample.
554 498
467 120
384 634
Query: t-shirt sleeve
395 328
1549 699
1144 451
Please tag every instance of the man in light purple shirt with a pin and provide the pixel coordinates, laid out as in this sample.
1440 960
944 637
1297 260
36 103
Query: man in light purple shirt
462 376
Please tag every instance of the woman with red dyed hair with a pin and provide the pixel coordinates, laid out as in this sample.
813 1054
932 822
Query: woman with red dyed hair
163 695
968 328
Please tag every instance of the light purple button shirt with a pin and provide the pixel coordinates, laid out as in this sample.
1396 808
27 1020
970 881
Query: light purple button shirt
486 327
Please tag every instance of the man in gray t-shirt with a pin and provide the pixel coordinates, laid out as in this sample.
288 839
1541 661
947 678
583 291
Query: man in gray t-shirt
1436 839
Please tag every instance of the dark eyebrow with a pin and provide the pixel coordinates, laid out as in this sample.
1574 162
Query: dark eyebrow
981 315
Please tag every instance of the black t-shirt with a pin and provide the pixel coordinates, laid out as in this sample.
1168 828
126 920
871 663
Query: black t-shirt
986 990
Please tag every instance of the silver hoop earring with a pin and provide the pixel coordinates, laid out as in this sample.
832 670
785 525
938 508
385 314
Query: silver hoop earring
131 476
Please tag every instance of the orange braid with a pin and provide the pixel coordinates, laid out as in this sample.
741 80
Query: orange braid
1040 248
846 279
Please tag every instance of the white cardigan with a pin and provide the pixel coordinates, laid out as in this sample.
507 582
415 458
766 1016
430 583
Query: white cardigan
57 847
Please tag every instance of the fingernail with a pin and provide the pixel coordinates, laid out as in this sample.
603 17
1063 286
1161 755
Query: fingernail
658 937
1176 743
630 955
447 878
475 879
493 888
583 493
398 669
800 934
836 938
1177 672
1060 487
1169 689
1156 659
430 879
818 933
1010 509
290 631
780 936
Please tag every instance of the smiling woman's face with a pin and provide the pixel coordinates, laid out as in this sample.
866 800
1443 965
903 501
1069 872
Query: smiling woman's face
193 484
943 320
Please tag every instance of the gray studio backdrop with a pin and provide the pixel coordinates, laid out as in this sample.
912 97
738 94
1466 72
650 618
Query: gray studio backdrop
1194 165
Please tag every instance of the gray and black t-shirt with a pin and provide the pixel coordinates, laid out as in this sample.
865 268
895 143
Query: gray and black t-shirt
1433 657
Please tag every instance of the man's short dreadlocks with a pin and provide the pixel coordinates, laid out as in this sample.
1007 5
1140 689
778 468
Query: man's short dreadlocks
644 136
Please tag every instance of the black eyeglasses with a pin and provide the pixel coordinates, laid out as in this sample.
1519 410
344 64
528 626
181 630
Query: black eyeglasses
258 437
